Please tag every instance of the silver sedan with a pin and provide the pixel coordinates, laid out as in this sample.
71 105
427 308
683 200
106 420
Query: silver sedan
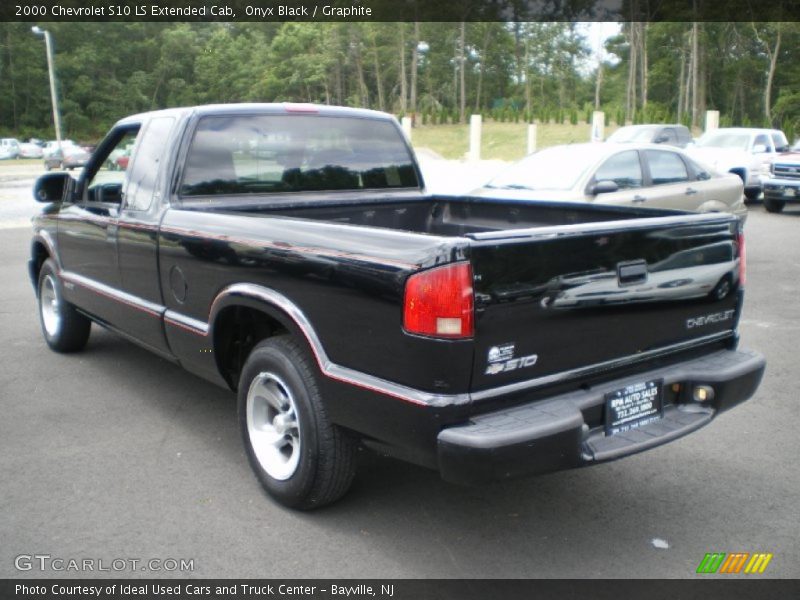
644 175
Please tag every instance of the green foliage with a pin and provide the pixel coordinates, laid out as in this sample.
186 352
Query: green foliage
512 71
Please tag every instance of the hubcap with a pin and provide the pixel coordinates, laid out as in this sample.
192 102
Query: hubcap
48 302
272 426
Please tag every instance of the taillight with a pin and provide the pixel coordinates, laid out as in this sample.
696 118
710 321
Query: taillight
438 302
742 258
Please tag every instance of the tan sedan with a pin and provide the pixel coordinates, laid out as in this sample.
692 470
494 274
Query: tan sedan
645 175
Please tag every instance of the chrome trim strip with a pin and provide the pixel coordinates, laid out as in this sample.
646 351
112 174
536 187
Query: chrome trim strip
358 378
113 293
598 367
179 320
329 368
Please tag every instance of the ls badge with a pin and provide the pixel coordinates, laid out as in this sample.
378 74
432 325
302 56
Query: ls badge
501 359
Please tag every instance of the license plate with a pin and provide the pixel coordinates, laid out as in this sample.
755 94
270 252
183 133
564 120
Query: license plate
788 192
633 406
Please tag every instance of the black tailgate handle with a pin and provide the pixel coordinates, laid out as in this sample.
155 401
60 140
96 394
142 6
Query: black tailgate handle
632 272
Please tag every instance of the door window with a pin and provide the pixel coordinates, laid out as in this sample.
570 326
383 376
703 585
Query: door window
624 169
779 141
762 140
666 167
105 184
144 171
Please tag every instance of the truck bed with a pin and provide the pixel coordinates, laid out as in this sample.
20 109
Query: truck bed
575 289
456 216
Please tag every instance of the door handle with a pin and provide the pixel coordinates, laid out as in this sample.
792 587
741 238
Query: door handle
691 191
638 198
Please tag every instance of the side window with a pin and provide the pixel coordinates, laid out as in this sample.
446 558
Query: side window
781 145
701 173
143 173
671 138
762 140
105 184
624 169
666 167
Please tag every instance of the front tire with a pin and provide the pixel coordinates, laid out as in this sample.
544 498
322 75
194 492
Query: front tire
301 458
774 206
64 328
752 194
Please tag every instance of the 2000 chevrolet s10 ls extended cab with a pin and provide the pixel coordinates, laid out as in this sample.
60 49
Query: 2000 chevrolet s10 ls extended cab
291 254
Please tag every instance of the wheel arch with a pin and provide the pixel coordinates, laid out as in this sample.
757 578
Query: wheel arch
42 248
741 172
243 315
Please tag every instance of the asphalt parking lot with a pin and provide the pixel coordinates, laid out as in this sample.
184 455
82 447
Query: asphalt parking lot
114 453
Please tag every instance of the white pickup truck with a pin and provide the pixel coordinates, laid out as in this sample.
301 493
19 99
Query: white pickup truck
747 152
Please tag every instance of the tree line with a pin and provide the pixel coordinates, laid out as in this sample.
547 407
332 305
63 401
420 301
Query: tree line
437 72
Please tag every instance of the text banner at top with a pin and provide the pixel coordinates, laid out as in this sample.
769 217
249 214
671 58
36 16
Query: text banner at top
397 10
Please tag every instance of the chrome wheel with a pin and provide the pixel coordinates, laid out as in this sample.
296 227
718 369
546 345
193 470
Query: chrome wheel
49 306
723 289
272 426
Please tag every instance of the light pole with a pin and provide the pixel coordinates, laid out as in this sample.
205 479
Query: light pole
51 71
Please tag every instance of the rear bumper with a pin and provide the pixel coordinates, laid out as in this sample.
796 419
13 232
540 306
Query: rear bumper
551 435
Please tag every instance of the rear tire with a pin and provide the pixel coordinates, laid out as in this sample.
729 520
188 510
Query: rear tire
301 459
64 328
774 206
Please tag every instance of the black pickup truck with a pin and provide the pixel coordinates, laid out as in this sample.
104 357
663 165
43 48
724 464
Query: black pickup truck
290 253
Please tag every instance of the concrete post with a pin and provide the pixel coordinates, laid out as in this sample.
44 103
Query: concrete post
406 123
712 120
598 126
475 137
531 138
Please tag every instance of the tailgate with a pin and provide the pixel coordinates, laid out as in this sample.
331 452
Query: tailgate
555 301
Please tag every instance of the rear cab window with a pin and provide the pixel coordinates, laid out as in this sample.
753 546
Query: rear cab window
274 154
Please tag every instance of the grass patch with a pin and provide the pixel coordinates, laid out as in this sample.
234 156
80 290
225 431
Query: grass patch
20 162
502 141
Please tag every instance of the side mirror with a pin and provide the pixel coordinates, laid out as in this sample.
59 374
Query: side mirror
53 187
759 149
606 186
661 139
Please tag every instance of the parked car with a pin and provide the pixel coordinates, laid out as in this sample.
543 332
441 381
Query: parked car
782 185
9 148
30 150
671 135
747 152
51 146
345 305
646 175
69 157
